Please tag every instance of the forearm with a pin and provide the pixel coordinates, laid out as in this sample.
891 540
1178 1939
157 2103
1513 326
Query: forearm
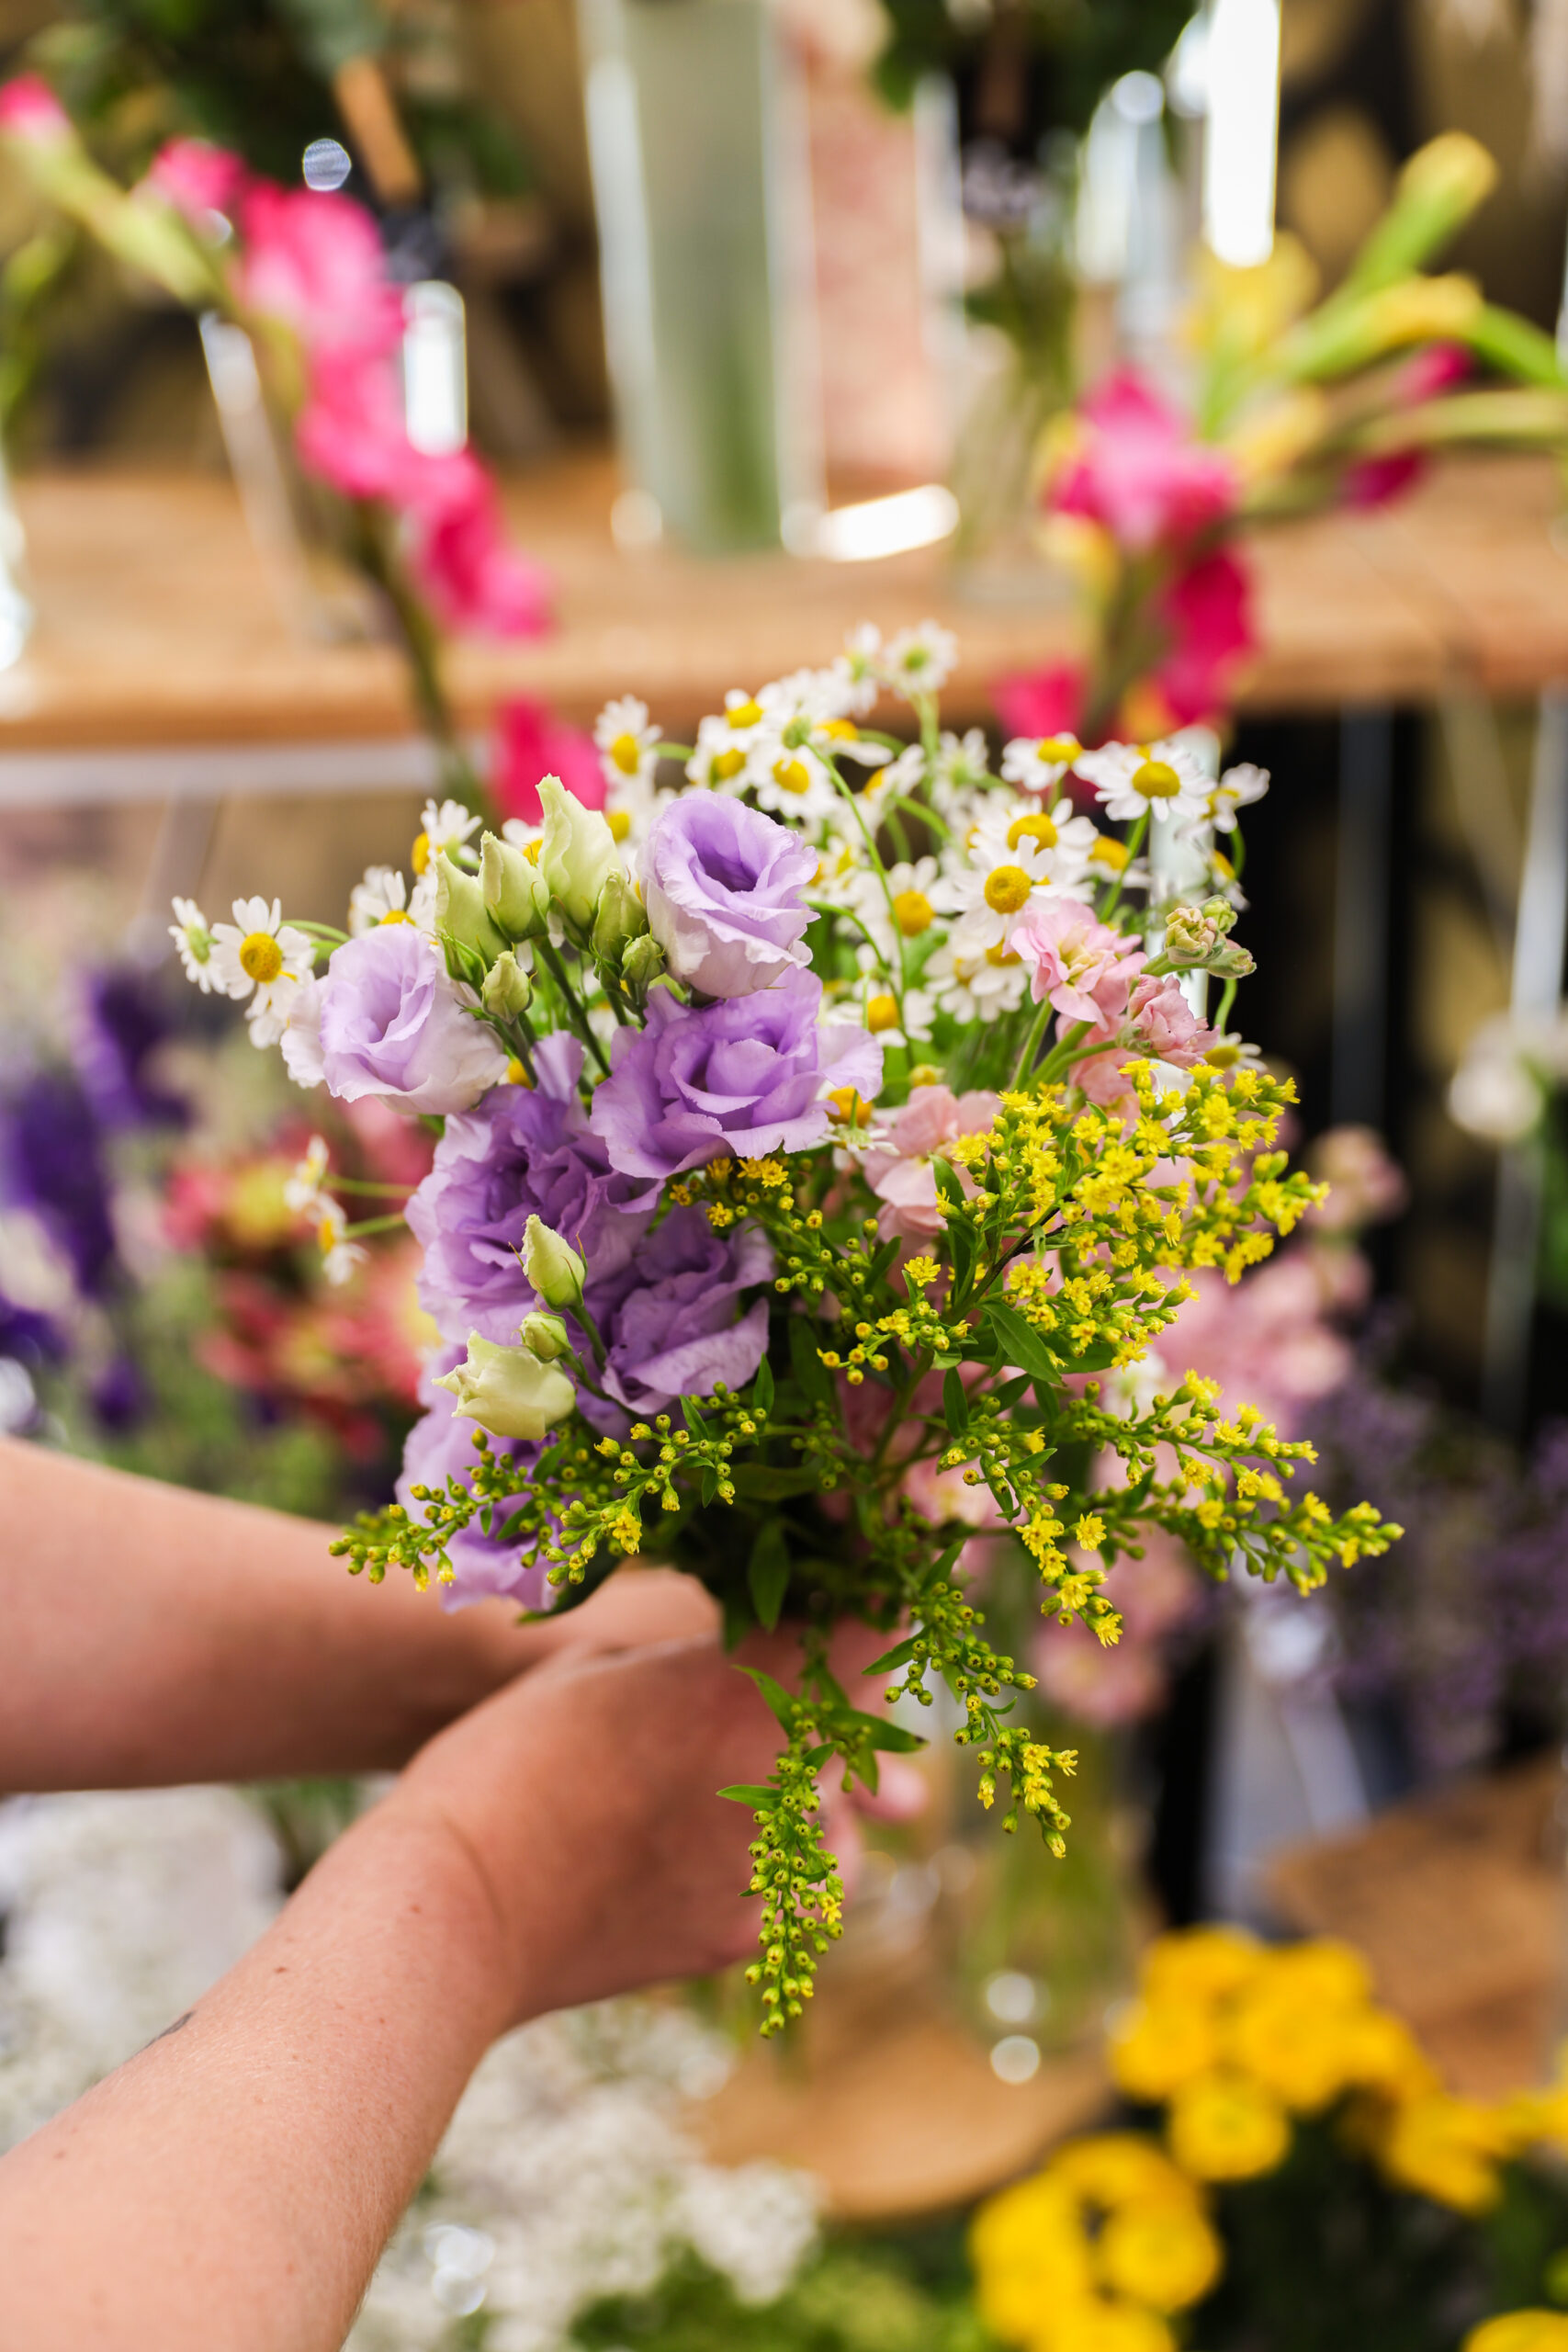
232 2186
150 1634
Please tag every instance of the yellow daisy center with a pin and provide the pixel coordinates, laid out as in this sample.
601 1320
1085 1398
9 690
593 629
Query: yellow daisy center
1036 827
419 856
744 713
1007 889
1109 852
848 1108
261 957
1221 865
882 1013
516 1073
397 914
1061 751
913 912
1001 955
726 765
790 776
1223 1057
626 753
924 1074
619 821
842 730
1156 780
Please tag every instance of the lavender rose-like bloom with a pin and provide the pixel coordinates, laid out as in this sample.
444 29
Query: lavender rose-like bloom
743 1077
673 1331
522 1152
384 1020
725 889
441 1446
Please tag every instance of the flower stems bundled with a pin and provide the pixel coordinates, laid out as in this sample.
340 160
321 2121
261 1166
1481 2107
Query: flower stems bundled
824 1139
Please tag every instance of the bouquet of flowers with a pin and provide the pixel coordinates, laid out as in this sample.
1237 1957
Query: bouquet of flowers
823 1147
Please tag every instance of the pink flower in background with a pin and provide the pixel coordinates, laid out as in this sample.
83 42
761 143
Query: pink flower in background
350 431
1265 1338
531 743
315 262
1137 469
1084 968
1167 1025
1208 611
29 109
460 555
900 1172
1378 482
1156 1595
1428 374
196 178
1041 702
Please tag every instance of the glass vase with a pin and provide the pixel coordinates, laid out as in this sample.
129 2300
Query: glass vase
697 141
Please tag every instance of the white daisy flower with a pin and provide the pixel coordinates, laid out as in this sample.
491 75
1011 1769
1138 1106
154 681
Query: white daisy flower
627 744
921 661
1065 839
919 895
840 863
897 779
975 986
260 957
1237 788
719 755
189 932
303 1187
1108 861
1039 763
962 768
1162 780
339 1255
1232 1051
878 1012
858 669
995 887
382 897
631 804
445 827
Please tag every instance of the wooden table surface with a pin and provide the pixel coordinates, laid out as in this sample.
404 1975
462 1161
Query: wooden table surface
158 627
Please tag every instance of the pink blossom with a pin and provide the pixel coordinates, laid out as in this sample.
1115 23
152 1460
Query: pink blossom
1138 470
1041 702
940 1496
460 555
196 178
1084 968
531 743
1208 611
900 1172
315 262
350 432
1429 373
29 109
1378 482
1263 1340
1165 1023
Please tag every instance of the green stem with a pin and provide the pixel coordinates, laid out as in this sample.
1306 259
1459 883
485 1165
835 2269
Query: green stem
571 1002
1135 843
374 1225
1031 1045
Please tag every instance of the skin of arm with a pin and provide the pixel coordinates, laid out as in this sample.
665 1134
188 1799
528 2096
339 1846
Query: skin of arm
230 2187
154 1635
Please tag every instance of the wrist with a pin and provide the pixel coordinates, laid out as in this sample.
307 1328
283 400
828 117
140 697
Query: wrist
415 1849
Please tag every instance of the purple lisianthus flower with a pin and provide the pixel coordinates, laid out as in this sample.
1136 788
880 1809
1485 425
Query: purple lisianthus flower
724 888
745 1077
384 1020
523 1151
122 1021
51 1162
441 1446
673 1331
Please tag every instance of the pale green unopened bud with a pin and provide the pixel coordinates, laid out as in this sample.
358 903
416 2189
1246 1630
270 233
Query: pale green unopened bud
551 1265
1230 962
644 962
620 919
508 1390
1221 913
1190 935
508 989
516 895
460 912
1437 190
546 1336
578 853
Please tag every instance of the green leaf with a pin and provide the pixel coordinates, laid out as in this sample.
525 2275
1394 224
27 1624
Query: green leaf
767 1574
955 1404
709 1484
758 1482
776 1696
900 1655
762 1388
891 1738
1020 1343
947 1181
752 1792
961 1242
693 1417
808 1367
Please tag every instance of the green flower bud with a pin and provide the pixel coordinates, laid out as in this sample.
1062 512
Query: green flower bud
1230 962
643 963
515 893
579 853
545 1336
1191 934
1221 913
508 989
620 919
551 1265
460 912
508 1390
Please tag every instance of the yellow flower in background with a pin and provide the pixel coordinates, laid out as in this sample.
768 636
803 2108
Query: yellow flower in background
1030 2254
1300 2050
1099 2324
1238 314
1385 2057
1200 1965
1532 2331
1323 1970
1160 2251
1158 2047
1114 2168
1226 2127
1447 2149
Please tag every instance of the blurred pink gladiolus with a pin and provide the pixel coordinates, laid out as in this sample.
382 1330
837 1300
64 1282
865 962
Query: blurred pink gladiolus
1134 467
315 262
1208 611
29 109
196 178
531 743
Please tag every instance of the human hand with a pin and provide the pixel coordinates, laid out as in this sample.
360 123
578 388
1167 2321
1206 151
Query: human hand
586 1799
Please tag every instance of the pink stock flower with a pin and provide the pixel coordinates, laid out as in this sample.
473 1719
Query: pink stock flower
29 109
1084 968
1263 1340
315 262
1136 470
460 555
196 178
1165 1023
531 743
900 1172
1208 611
1041 702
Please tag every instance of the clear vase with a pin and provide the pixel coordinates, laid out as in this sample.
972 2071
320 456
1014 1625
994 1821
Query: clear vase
697 141
1020 377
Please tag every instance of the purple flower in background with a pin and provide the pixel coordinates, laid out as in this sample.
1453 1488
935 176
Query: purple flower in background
441 1446
121 1021
120 1396
724 888
745 1077
50 1162
384 1020
673 1331
523 1151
